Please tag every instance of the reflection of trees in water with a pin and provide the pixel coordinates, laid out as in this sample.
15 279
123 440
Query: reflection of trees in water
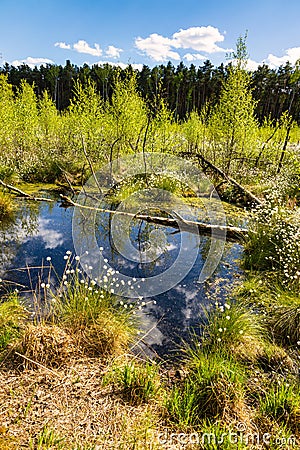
12 233
139 235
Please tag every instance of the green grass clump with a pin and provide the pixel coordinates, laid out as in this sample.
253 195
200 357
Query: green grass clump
278 307
12 320
139 382
215 435
284 323
95 319
47 439
234 328
281 402
214 389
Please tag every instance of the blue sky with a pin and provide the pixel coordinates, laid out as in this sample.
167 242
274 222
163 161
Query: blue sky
147 32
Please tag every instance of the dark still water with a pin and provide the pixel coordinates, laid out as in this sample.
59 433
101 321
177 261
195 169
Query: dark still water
44 230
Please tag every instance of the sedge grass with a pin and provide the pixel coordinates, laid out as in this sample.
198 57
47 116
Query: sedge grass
95 318
13 315
234 328
214 388
281 402
137 381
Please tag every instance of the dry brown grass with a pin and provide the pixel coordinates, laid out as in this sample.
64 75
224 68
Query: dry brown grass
73 403
106 336
44 344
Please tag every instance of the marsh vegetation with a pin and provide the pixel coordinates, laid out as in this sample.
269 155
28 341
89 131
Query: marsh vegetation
72 375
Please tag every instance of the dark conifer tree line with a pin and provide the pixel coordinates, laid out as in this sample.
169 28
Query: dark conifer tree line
184 88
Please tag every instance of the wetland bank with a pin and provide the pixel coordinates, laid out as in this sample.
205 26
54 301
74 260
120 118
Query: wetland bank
83 366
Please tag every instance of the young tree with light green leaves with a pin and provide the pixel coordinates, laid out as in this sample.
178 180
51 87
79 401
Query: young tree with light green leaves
233 124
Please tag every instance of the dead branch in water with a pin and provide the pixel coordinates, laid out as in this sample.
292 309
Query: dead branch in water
218 231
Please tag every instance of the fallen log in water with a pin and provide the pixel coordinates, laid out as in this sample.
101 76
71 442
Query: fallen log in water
217 231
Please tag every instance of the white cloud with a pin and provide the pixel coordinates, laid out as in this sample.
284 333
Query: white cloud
157 47
120 64
252 65
202 39
193 57
113 52
291 55
32 62
83 47
62 45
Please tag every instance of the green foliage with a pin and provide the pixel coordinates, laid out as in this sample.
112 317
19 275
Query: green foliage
83 122
127 116
6 207
216 435
235 327
281 402
273 242
139 382
214 388
232 123
47 439
12 319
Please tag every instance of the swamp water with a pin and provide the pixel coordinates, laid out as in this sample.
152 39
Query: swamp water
42 230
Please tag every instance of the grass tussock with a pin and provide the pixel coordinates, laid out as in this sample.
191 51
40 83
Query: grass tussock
282 404
49 345
13 316
236 329
214 388
137 382
95 319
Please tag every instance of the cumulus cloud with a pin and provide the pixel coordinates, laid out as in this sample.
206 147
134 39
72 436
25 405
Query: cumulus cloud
202 39
83 47
160 48
62 45
252 65
113 52
291 55
157 47
193 57
32 62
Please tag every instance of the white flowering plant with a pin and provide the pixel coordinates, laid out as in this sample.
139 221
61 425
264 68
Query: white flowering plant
274 241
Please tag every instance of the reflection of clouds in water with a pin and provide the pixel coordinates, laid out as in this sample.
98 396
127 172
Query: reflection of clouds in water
16 235
148 326
188 294
190 307
124 263
51 237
